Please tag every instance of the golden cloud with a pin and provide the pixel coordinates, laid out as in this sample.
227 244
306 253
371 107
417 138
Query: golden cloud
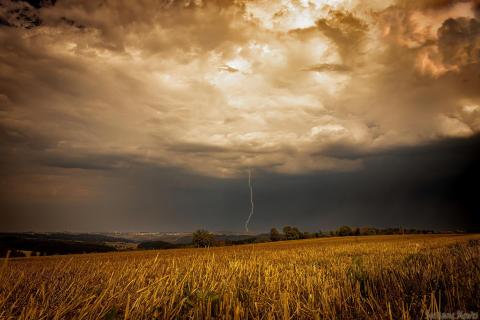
219 86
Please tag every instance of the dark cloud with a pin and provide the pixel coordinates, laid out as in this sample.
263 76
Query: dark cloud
19 14
342 151
40 3
345 30
431 4
195 148
88 162
146 115
464 148
430 186
459 41
328 67
227 68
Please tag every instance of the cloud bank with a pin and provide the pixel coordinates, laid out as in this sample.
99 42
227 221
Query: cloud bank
216 87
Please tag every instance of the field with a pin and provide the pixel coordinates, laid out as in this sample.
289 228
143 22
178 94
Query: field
374 277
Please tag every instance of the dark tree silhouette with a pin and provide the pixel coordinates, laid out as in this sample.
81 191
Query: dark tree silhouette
203 238
297 234
275 235
291 233
344 231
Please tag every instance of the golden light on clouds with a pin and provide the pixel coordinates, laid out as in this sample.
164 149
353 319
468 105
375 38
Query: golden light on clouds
217 86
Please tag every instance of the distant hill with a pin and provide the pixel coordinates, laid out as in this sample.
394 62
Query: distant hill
41 246
138 237
179 238
53 243
84 237
148 245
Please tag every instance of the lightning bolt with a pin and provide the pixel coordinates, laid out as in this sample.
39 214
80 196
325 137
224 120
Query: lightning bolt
251 199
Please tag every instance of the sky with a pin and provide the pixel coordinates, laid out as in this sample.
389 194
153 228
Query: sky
147 115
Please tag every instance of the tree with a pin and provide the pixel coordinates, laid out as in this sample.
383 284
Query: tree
291 233
297 234
275 235
288 231
368 231
203 238
344 231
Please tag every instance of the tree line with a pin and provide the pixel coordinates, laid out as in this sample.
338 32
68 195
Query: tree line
293 233
204 238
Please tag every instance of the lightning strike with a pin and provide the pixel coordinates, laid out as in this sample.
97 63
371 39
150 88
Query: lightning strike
251 199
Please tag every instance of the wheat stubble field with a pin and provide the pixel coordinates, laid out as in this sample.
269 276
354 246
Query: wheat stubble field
375 277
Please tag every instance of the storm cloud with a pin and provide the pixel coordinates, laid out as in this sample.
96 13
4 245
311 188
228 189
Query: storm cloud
154 111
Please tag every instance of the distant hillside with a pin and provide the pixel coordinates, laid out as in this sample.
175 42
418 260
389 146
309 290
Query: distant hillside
148 245
39 246
84 237
138 237
179 238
